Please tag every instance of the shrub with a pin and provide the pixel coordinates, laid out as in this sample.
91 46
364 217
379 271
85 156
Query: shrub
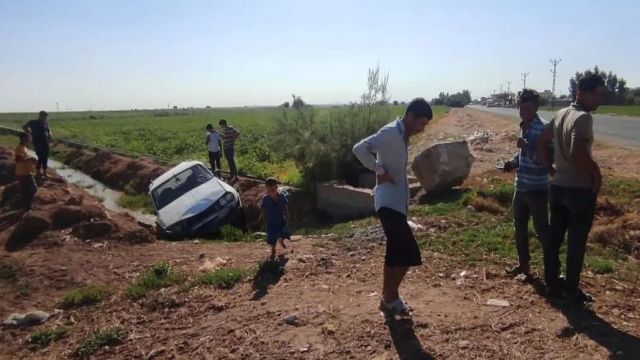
136 202
97 340
8 272
156 277
225 278
502 193
233 234
42 338
599 265
83 296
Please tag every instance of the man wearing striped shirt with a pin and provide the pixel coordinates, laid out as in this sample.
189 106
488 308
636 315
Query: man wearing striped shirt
532 182
229 137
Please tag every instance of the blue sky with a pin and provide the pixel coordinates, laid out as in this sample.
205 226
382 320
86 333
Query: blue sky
146 54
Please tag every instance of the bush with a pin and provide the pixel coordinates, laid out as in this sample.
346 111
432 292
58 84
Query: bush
156 277
42 338
232 234
502 193
8 272
136 202
97 340
84 296
223 278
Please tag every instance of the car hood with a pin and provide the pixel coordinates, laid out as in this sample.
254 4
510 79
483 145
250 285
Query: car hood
192 203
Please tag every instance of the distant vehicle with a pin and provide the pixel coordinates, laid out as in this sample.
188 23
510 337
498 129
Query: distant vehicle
491 104
190 201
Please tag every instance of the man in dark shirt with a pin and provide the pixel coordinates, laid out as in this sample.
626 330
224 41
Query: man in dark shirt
40 135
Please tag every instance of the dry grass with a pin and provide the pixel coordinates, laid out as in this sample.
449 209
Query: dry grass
487 205
622 233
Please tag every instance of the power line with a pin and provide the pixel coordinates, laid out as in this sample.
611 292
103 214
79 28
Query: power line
524 79
555 63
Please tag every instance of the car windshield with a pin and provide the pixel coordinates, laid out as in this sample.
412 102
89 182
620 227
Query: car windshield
179 185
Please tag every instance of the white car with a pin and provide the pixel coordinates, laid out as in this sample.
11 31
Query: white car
190 201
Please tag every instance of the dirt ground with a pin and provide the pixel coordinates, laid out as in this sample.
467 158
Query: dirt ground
329 292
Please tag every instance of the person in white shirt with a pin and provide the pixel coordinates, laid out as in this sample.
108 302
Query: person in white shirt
385 153
214 143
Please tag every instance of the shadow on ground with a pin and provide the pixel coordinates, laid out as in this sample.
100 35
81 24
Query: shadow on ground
446 196
405 340
269 274
583 320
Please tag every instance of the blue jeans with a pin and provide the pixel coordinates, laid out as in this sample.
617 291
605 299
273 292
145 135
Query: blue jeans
229 154
572 211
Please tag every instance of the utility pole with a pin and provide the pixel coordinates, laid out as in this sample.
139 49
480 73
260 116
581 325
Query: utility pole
501 88
555 63
57 107
524 80
508 87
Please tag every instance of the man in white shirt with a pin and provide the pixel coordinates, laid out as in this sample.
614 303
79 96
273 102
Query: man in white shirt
385 153
214 142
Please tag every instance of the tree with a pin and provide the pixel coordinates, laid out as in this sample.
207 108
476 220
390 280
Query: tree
286 105
616 87
460 99
297 102
395 102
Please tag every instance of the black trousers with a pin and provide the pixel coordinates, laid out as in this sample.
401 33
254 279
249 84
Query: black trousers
42 151
572 211
28 189
214 160
229 154
402 248
534 205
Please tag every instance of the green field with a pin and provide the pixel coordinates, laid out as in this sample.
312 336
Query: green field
619 110
177 135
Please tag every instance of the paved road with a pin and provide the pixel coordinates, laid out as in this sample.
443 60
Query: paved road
621 129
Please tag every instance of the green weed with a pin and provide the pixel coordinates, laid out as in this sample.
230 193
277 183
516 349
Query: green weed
99 339
229 233
136 202
8 272
84 296
158 276
42 338
225 278
599 265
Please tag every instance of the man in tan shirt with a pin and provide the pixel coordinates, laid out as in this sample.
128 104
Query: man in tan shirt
574 187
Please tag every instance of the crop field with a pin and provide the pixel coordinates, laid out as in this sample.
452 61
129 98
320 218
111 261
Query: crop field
177 135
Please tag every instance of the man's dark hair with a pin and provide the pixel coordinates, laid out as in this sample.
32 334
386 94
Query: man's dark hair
43 113
222 122
420 108
209 126
590 83
271 181
529 95
23 136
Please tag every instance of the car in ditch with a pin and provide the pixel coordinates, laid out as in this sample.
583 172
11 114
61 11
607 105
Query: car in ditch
190 201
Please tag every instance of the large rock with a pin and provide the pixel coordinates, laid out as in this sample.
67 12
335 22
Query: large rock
344 201
443 166
25 320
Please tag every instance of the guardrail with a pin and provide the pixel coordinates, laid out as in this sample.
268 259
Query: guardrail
125 153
